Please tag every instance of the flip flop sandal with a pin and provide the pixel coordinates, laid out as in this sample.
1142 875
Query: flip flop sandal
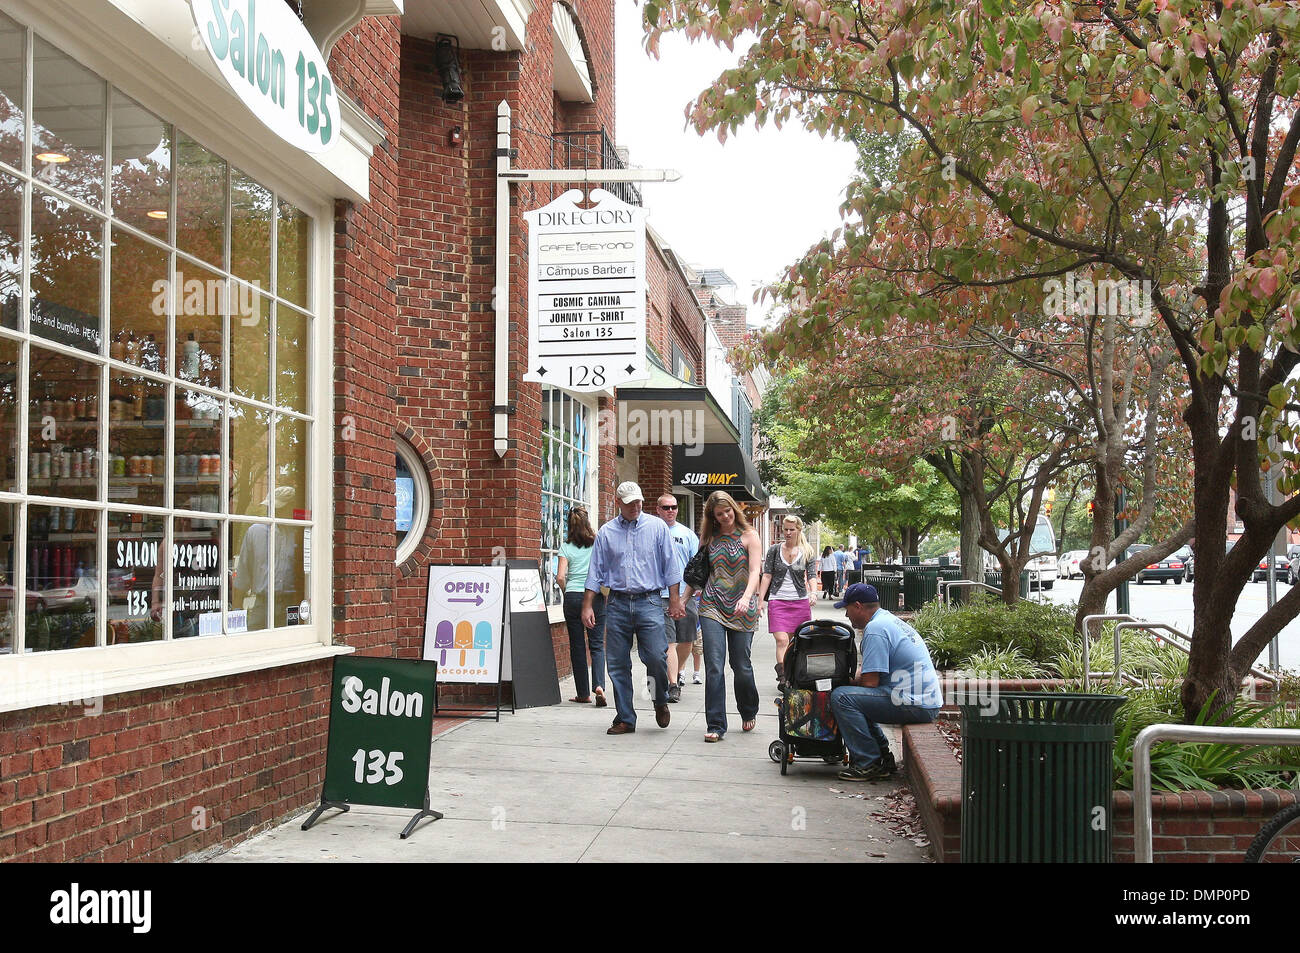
713 736
749 725
581 701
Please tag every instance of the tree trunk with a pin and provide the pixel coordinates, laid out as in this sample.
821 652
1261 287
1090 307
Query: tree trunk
972 556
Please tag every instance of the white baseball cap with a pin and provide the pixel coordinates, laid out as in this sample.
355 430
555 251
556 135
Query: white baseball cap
629 492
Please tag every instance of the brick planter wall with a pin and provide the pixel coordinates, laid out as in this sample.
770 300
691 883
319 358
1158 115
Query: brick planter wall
1190 827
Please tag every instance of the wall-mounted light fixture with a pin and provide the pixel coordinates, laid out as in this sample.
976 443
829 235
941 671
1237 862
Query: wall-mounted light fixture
455 136
446 57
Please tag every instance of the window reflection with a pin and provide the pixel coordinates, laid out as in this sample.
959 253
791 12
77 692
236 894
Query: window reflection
292 358
142 167
137 549
250 230
198 463
250 339
196 580
62 578
11 250
291 254
200 201
290 605
200 300
8 607
137 439
66 257
137 302
63 426
249 447
9 352
12 61
67 124
292 463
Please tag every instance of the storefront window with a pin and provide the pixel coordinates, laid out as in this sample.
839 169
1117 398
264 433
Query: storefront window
567 447
166 491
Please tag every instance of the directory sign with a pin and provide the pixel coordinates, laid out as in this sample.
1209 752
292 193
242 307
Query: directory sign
586 293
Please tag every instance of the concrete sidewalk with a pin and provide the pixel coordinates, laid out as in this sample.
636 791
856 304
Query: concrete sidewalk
547 784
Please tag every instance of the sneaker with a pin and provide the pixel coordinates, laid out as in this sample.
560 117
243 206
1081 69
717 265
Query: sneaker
681 679
674 693
696 680
878 770
888 762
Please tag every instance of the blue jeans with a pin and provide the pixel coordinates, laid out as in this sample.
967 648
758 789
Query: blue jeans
718 642
860 711
644 619
579 640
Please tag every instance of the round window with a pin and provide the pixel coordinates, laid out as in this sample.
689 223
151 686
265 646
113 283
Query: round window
412 509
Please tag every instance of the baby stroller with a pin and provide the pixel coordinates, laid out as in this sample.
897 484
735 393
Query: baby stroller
821 656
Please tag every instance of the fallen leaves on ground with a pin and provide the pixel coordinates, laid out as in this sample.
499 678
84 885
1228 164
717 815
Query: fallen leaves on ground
902 818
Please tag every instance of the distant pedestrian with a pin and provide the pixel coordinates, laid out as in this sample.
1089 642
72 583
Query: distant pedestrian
729 611
634 558
828 573
842 559
680 633
575 558
786 589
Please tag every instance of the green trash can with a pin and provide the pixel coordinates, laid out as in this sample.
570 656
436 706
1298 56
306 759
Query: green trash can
888 586
993 577
950 573
1036 778
920 585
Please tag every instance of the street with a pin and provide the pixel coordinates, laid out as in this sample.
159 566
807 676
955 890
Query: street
1172 604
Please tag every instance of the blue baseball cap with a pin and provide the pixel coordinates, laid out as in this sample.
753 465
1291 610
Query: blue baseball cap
859 592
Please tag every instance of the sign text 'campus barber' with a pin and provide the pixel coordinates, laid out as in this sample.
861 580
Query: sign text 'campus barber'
271 62
586 293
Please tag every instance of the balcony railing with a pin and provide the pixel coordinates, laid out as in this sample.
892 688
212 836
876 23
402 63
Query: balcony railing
593 150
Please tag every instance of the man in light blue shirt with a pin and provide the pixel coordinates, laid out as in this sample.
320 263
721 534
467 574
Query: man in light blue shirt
680 633
634 556
896 685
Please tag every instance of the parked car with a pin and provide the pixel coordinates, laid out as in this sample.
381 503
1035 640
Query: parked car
1068 566
80 595
1171 567
1188 557
1281 570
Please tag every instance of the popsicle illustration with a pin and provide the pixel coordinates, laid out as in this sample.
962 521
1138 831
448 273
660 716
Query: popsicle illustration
464 638
483 641
442 640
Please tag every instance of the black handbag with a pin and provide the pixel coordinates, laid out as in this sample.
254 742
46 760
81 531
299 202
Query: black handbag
696 573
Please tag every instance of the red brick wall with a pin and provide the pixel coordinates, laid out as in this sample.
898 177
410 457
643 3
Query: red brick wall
445 274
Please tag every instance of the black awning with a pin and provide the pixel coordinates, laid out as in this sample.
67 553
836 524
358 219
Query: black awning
719 466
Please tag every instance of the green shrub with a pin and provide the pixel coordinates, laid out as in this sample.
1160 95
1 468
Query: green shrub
1000 663
955 633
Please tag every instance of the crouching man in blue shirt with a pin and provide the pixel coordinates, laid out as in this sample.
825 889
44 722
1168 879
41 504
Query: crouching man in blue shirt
896 685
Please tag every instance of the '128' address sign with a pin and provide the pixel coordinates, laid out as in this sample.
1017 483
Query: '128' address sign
586 293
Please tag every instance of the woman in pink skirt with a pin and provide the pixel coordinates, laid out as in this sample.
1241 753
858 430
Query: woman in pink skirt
787 588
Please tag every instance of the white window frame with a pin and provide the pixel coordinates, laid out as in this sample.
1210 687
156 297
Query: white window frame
86 674
420 508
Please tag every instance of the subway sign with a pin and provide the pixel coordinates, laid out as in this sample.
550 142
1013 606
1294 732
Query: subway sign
271 62
709 479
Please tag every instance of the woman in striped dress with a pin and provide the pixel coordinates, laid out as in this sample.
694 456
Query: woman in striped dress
729 611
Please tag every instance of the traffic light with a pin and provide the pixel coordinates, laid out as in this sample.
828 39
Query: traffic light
1090 505
1048 507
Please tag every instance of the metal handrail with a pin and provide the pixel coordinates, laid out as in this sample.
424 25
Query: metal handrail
1183 643
1098 617
946 584
1146 739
